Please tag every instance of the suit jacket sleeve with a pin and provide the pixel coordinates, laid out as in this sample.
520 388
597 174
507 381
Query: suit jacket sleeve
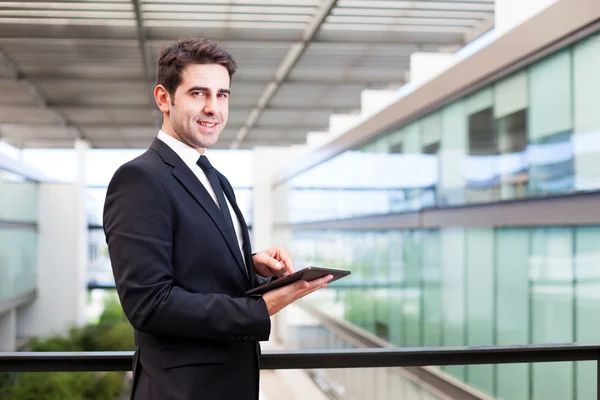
137 223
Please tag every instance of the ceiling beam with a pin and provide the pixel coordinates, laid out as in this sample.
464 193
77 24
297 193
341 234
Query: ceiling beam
480 28
287 64
149 128
69 39
11 68
146 60
375 77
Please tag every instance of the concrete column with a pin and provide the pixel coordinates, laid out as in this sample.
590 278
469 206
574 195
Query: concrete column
262 198
62 257
267 162
8 331
266 204
81 227
511 13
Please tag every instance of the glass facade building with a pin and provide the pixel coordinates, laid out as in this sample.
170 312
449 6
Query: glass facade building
534 134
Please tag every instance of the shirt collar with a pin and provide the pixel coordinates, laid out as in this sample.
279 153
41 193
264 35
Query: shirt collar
185 152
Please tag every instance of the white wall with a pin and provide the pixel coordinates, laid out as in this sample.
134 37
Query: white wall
511 13
62 258
426 66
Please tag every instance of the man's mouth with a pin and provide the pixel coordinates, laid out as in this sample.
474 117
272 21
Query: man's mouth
207 124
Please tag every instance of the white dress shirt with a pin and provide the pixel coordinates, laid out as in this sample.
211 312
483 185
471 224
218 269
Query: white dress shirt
190 156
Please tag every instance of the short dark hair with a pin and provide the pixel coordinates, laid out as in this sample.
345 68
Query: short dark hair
174 57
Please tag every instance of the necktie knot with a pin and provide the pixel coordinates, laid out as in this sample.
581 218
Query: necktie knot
204 163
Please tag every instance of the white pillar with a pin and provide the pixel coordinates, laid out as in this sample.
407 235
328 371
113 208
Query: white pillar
511 13
8 331
262 198
62 257
81 226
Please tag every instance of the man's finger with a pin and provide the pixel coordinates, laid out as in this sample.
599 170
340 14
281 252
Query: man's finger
286 259
269 261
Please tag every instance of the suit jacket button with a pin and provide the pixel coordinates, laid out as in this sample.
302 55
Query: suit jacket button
240 337
246 337
252 337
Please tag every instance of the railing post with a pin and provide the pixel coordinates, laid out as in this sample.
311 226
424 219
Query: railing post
598 375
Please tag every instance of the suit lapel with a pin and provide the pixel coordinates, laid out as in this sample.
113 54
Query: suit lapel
187 179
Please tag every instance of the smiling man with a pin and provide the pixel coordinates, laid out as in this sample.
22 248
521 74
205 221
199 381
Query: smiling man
180 249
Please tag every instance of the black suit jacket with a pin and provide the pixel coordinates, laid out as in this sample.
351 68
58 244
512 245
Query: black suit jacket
182 282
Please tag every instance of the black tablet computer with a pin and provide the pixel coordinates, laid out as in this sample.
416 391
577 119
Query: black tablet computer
307 274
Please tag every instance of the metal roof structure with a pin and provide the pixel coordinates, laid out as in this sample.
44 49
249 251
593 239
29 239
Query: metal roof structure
85 69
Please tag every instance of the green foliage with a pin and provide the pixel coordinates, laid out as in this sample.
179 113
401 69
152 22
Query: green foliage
112 333
66 385
117 337
113 312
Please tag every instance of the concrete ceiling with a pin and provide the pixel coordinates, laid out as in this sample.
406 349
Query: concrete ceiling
85 69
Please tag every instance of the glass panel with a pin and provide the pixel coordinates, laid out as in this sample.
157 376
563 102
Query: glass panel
482 165
432 295
453 293
510 95
512 302
395 142
586 84
453 154
480 302
18 198
550 125
18 261
587 303
413 291
551 271
482 100
512 149
431 136
395 298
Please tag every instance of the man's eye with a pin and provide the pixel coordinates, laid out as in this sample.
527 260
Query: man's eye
197 93
223 95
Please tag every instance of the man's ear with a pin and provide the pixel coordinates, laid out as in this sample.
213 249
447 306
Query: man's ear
162 98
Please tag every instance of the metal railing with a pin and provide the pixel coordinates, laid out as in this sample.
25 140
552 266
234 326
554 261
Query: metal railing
318 359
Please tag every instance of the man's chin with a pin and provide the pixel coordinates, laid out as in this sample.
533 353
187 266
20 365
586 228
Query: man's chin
207 141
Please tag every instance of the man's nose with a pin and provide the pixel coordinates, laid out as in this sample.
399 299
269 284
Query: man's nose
211 107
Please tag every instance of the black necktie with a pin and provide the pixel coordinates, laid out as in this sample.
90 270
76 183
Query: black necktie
213 178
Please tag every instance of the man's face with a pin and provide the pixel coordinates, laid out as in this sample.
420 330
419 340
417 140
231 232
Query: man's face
198 112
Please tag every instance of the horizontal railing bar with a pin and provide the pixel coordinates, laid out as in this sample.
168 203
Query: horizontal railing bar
316 359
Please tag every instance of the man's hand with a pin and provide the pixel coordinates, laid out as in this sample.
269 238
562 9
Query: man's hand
274 261
277 299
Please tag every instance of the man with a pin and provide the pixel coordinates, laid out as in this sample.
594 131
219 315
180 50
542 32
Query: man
180 250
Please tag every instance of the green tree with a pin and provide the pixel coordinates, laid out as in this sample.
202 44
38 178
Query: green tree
112 333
